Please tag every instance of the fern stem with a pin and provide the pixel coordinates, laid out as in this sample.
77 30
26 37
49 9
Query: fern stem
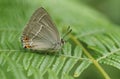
6 50
105 75
110 53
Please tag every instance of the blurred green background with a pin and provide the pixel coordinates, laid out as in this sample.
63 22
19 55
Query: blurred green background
14 14
110 8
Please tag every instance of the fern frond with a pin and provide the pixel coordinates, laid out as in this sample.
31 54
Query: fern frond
95 40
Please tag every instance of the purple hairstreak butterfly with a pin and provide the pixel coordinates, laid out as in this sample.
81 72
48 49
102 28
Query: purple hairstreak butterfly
40 33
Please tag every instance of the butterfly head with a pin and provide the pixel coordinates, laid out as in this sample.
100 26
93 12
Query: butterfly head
62 42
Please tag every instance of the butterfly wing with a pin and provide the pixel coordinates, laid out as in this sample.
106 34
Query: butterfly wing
40 32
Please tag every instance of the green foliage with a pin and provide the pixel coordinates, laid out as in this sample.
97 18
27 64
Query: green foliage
94 40
108 7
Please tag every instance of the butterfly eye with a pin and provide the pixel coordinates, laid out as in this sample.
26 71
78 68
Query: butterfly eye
62 41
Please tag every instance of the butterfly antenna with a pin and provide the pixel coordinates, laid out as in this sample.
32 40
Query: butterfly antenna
68 31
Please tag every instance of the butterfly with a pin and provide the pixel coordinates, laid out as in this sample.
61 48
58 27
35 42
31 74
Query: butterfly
40 33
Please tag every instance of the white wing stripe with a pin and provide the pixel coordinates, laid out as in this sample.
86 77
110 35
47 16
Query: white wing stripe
36 34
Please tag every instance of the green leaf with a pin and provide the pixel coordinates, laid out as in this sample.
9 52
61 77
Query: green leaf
94 40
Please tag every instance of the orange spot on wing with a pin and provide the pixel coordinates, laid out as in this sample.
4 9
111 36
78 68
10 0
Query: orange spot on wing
26 42
27 46
26 38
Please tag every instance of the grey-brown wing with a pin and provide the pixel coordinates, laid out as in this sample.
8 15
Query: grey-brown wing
39 17
40 31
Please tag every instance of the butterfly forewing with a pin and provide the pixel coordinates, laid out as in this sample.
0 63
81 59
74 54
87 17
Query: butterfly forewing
40 32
